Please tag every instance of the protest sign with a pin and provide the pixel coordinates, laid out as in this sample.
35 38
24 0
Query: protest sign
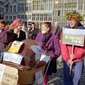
12 57
73 36
8 75
15 47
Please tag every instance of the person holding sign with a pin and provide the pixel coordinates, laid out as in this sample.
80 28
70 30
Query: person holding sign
50 46
73 55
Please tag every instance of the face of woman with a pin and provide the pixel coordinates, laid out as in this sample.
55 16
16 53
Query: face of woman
44 29
32 25
19 27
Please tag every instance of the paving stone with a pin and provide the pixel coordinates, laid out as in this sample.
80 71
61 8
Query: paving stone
57 78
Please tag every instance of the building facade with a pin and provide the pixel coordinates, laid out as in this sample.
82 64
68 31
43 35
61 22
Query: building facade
2 9
39 11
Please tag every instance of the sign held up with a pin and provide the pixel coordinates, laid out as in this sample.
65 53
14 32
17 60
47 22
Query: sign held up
73 36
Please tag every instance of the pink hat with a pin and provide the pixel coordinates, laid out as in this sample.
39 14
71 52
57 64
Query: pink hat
16 22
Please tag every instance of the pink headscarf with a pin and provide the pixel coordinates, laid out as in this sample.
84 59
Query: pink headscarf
16 22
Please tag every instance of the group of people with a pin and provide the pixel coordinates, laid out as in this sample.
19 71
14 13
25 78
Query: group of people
51 44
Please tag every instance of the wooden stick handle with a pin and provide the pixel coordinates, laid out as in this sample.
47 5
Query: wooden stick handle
71 64
72 49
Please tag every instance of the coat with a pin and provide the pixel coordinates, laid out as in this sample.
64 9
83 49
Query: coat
22 36
11 36
3 39
53 48
32 34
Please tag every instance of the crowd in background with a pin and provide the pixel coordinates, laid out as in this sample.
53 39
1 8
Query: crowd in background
50 40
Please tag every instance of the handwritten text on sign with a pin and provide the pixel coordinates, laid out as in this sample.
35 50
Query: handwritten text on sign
9 75
12 57
2 67
73 36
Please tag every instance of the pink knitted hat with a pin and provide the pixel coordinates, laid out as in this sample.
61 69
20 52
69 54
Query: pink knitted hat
16 22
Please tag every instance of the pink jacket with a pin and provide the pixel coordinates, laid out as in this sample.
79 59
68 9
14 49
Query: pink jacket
66 50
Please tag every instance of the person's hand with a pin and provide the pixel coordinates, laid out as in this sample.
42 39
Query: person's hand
72 56
70 62
52 56
16 31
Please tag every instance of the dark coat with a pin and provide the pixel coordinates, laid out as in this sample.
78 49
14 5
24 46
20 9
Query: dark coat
11 36
32 34
58 33
22 36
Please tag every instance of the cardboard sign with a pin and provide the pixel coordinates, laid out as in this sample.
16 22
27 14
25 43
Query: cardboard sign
15 47
12 57
2 67
39 79
73 36
9 75
45 58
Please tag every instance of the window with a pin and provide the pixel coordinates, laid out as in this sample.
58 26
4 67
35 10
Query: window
49 17
14 8
25 16
34 5
37 17
41 17
21 7
22 16
45 17
7 9
3 10
10 17
10 9
58 12
30 16
33 17
1 3
80 5
18 16
38 5
14 17
6 17
29 7
46 7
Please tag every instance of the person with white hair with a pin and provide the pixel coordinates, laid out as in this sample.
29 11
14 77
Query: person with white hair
57 30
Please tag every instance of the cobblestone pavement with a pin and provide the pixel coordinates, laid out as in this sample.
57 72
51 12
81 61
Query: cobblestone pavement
57 78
